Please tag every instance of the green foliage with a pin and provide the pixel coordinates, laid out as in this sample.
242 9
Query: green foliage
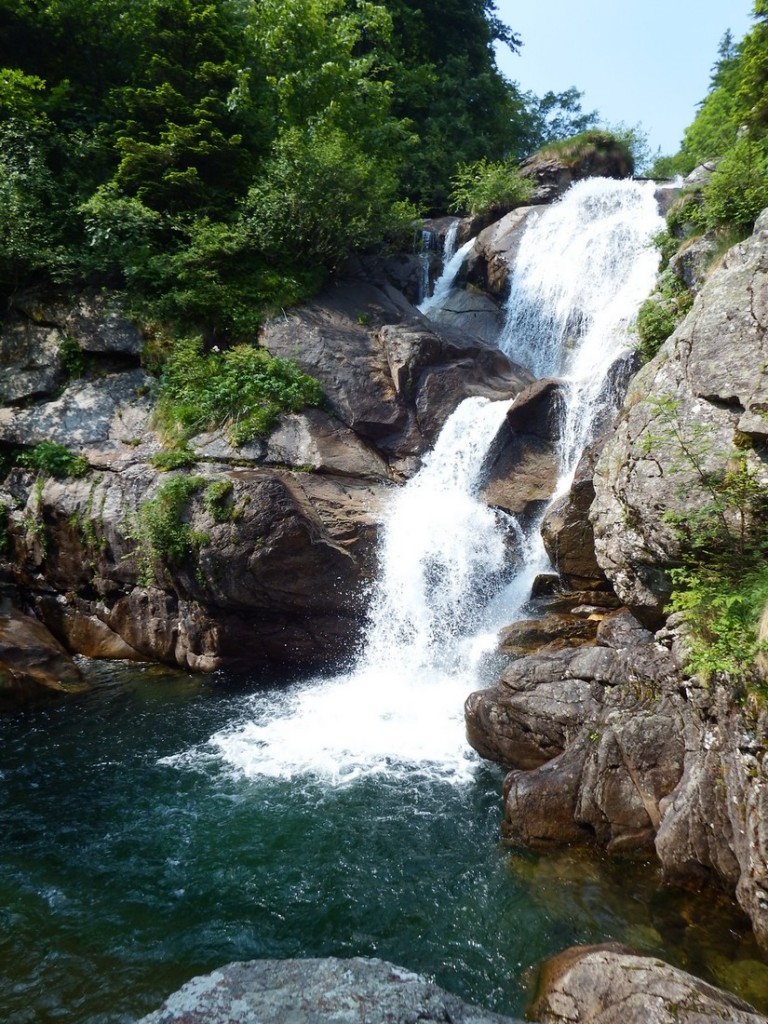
448 91
738 188
660 314
686 215
178 457
731 127
160 529
635 139
217 500
580 149
54 460
320 197
487 185
33 218
242 388
72 357
721 586
669 167
216 160
555 116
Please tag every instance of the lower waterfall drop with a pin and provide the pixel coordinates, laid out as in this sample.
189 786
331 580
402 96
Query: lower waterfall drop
400 709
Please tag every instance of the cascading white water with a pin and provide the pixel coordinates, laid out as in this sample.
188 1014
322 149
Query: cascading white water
444 283
441 550
449 242
426 242
400 709
583 268
441 596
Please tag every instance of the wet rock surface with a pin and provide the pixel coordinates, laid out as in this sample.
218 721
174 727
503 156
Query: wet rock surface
523 462
33 664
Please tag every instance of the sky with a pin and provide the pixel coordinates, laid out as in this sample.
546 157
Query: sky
647 62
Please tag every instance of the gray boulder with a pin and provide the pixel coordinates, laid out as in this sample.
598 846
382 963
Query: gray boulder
523 464
328 991
612 984
389 374
471 312
490 261
104 418
95 320
566 529
30 361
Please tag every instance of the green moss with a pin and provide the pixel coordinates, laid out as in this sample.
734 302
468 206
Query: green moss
54 460
178 457
160 529
661 313
242 388
217 500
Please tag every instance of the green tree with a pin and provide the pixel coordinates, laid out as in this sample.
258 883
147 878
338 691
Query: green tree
447 85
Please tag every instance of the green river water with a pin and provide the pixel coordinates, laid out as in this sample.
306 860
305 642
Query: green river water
124 874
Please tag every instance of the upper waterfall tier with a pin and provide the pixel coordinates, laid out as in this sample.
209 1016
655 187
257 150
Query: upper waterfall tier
583 267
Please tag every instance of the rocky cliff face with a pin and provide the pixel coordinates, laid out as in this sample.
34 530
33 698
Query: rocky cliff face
614 743
274 540
702 400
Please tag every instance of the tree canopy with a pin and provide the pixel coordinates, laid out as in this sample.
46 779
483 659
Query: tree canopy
730 130
217 157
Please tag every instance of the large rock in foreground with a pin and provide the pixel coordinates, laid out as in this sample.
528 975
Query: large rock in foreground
328 991
614 746
614 985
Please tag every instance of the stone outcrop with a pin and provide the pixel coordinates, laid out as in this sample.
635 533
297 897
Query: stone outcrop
612 984
608 984
389 374
277 536
687 413
567 532
471 311
555 169
613 745
523 463
33 664
594 737
328 991
493 254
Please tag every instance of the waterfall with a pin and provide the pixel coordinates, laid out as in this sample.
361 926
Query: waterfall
452 261
426 244
400 708
446 583
583 268
442 549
